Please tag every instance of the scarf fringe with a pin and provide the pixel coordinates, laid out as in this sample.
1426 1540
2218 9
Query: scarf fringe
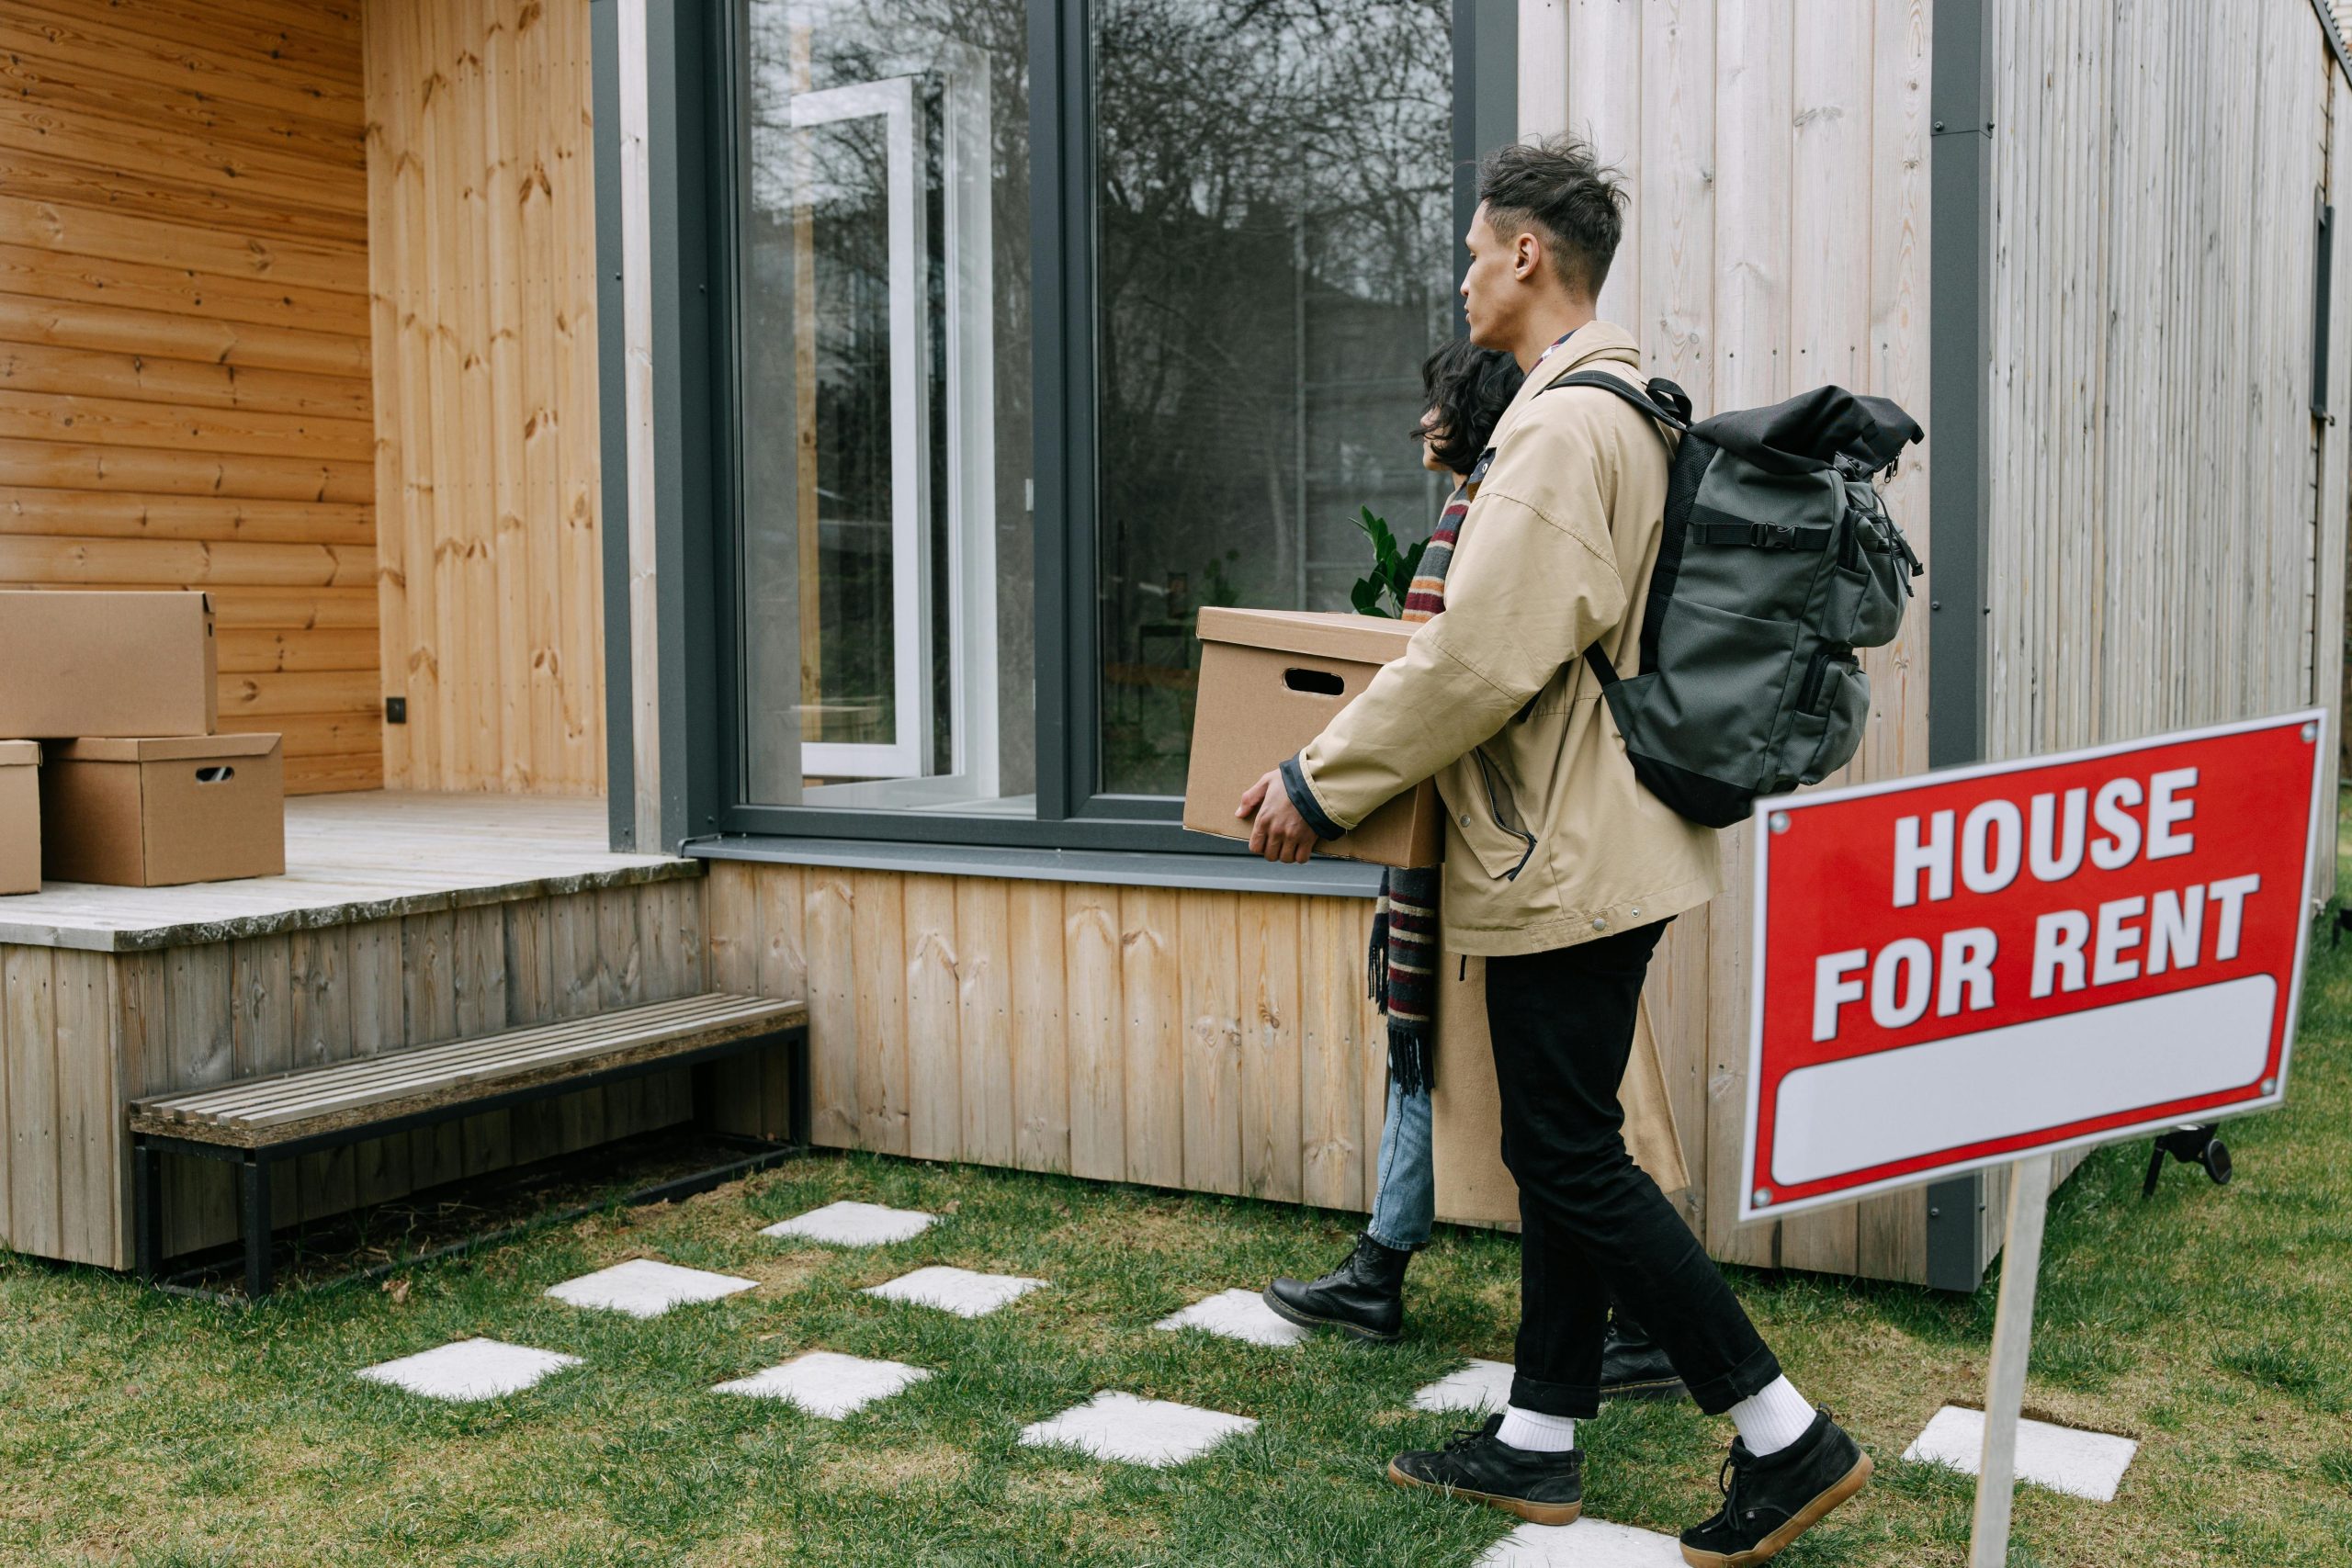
1410 1064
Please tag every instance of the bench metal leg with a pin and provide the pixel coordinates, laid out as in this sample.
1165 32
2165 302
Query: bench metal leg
147 1208
255 1172
798 1109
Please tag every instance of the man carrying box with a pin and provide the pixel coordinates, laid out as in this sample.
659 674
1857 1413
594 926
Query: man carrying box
1562 871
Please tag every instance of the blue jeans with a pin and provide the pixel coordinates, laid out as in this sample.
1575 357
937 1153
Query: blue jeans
1406 1204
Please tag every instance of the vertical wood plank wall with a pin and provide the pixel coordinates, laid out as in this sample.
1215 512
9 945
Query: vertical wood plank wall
1731 122
1217 1042
2168 516
184 341
80 1034
481 204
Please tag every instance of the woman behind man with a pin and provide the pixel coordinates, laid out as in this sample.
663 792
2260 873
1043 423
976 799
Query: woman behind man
1466 389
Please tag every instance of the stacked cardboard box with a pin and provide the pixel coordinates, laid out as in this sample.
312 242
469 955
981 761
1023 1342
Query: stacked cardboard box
134 787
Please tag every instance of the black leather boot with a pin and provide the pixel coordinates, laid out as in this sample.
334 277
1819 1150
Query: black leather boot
1365 1296
1632 1365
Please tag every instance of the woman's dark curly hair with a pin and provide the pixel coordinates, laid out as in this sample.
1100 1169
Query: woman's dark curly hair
1469 386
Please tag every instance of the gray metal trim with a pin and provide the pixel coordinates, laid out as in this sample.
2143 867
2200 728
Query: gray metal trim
1961 272
1486 93
1959 498
2334 37
612 418
1226 874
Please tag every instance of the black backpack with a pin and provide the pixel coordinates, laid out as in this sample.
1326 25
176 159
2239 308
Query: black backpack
1776 562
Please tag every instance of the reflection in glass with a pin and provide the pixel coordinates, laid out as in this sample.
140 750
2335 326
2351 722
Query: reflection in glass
1273 181
886 550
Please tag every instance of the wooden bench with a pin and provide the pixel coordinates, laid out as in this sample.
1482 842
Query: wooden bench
255 1123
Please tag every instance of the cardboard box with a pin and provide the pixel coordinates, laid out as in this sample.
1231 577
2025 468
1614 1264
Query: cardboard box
106 664
19 816
1270 680
156 812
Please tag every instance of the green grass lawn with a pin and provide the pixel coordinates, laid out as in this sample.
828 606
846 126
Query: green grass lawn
2211 1323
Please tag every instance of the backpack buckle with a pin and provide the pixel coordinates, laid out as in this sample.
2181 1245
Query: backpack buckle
1772 536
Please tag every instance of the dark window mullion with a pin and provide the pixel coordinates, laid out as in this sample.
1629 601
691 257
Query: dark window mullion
1062 251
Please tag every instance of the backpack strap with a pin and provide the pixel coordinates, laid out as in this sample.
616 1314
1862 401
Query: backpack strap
1662 399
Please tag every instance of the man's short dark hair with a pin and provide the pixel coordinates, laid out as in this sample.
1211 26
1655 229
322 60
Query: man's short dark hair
1469 386
1558 187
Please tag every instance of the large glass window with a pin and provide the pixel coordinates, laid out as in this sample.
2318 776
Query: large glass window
1274 192
1243 215
886 547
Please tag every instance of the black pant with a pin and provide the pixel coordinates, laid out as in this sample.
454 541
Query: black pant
1593 1224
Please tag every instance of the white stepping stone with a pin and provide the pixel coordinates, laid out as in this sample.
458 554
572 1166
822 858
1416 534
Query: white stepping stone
827 1383
855 1224
2064 1459
1586 1544
1480 1386
1121 1427
644 1287
959 1290
469 1370
1236 1314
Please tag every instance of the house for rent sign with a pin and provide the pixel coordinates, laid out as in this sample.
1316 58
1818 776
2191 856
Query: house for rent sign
1955 970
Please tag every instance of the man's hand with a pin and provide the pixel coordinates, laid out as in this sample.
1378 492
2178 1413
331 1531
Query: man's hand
1280 833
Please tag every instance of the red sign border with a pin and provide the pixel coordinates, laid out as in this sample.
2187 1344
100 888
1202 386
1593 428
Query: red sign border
1760 828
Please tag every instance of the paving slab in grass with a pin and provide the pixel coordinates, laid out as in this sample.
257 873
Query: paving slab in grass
959 1290
1236 1314
1588 1543
854 1224
2062 1459
827 1383
469 1370
1155 1432
645 1287
1480 1386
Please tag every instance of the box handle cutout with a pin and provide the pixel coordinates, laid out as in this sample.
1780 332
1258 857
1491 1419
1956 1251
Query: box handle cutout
217 772
1322 682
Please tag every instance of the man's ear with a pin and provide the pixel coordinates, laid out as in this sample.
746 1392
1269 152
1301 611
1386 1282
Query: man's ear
1527 255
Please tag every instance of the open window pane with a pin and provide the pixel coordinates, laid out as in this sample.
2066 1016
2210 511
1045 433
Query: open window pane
1273 262
886 549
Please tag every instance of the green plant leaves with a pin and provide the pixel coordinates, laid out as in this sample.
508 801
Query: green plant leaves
1392 570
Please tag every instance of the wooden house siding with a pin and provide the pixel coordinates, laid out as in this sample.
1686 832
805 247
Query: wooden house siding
482 198
184 339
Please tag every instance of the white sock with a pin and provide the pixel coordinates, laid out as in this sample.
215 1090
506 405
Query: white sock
1774 1419
1536 1432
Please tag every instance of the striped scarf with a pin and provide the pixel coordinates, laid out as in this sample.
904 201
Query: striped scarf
1404 923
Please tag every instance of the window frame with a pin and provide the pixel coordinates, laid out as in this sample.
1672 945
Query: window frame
703 769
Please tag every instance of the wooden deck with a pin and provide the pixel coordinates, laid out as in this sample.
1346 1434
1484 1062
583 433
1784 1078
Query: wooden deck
351 858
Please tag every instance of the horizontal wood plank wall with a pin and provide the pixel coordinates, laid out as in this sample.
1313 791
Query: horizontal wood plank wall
82 1033
1777 239
1214 1041
184 341
481 203
2168 529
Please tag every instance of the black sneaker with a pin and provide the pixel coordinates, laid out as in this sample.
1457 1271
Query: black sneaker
1365 1296
1543 1488
1770 1502
1632 1365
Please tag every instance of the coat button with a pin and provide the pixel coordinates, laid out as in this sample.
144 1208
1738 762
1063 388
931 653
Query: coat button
1465 820
1598 924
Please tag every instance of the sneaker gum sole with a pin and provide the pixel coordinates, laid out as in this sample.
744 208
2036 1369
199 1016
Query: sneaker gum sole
1533 1513
1772 1545
1307 1320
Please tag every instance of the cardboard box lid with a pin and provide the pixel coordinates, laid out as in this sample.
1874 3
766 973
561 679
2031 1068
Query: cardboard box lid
1320 634
165 747
19 753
